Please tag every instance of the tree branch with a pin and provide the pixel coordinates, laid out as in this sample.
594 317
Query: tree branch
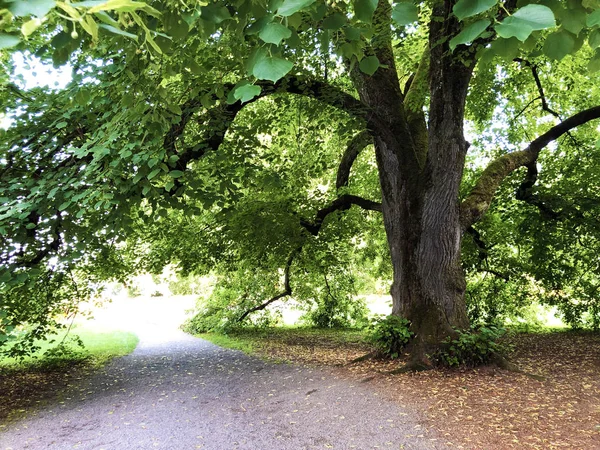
482 248
540 88
478 201
217 120
357 143
287 289
342 203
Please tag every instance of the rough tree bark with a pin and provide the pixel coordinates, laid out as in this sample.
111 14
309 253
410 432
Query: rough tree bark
420 177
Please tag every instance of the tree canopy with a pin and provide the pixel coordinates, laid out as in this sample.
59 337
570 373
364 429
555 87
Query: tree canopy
300 147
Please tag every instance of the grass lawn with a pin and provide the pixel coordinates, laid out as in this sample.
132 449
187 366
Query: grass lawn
28 383
98 347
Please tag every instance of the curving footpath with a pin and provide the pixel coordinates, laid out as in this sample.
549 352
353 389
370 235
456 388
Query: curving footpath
186 393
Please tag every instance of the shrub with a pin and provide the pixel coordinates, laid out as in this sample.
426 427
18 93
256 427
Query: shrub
389 335
474 347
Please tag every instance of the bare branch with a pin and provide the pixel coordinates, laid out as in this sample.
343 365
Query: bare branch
480 198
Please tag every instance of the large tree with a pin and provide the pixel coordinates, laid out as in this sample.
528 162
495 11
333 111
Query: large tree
159 86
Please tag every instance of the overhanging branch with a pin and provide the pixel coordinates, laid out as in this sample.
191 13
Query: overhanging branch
287 289
480 197
342 203
217 120
356 145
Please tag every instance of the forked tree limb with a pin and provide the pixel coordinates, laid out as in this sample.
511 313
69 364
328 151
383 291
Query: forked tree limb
340 204
539 86
479 199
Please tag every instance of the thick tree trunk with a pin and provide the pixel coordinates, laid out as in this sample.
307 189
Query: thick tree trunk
420 202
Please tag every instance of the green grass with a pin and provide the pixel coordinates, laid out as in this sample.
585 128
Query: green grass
245 344
98 348
252 340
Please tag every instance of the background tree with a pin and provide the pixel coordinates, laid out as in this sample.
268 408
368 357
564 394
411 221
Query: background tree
160 90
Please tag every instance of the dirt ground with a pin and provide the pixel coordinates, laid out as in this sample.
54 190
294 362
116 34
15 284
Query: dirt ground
484 408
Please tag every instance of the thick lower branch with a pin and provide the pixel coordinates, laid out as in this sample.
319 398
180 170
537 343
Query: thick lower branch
478 201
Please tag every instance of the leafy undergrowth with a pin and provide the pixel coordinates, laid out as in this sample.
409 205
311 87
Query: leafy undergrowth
471 408
29 383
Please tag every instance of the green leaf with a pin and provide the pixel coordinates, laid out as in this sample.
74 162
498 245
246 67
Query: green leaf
334 22
594 66
594 38
369 65
23 8
153 173
5 277
270 67
364 9
30 26
468 8
559 44
289 7
352 34
526 20
8 40
504 48
64 205
538 17
215 13
124 6
246 92
593 19
175 173
258 26
118 31
470 33
274 33
572 20
405 13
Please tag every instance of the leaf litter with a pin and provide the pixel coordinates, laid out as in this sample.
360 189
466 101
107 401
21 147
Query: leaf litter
485 407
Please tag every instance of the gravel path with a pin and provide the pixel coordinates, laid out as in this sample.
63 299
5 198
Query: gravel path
180 392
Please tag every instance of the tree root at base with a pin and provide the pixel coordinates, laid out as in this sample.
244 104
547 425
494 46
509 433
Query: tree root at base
505 364
363 358
498 360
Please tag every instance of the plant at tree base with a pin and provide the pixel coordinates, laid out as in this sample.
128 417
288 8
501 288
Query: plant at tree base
389 335
164 118
474 347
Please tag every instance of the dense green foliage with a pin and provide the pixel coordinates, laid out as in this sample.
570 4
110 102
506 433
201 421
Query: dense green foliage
209 136
389 335
474 347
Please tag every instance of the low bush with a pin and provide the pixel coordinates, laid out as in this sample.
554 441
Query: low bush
389 335
476 346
